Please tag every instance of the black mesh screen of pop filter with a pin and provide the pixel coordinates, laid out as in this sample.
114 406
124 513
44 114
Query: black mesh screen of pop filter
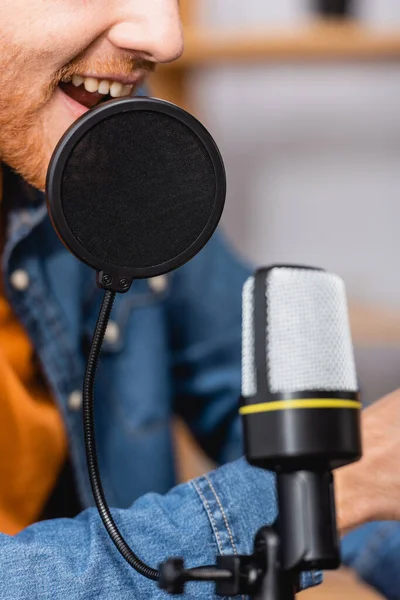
139 188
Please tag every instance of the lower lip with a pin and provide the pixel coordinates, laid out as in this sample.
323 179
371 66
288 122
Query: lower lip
76 109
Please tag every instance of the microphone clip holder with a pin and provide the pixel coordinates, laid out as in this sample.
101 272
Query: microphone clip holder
258 575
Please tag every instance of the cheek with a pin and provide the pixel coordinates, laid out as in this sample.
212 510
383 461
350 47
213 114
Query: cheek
52 34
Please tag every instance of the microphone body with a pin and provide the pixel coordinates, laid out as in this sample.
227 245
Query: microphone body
300 405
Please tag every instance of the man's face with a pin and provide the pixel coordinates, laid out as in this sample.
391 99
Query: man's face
51 50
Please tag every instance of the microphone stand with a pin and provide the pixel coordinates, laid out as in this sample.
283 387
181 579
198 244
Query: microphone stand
305 536
304 539
301 445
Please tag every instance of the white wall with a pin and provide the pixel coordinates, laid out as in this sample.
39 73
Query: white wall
233 13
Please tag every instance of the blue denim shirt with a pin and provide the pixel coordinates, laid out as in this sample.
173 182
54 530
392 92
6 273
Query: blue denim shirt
177 352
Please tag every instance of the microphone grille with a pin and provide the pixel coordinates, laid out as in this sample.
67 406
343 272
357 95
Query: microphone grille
249 383
308 343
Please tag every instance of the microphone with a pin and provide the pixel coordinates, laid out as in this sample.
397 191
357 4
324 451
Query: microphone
135 189
300 404
301 419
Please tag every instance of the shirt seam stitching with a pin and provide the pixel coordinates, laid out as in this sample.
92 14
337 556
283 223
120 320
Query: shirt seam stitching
223 514
225 518
210 515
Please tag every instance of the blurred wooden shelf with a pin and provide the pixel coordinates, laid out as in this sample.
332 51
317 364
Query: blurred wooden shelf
318 41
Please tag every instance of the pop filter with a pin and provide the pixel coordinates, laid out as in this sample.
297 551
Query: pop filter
135 188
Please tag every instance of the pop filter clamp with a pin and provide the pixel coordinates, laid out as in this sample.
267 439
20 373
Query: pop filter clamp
135 189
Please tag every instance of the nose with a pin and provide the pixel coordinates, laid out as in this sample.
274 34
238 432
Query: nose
151 28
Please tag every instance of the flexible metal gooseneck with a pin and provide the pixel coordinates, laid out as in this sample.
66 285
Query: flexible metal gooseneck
203 573
90 442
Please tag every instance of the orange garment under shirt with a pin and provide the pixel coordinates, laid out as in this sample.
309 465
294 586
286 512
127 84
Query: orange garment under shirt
33 443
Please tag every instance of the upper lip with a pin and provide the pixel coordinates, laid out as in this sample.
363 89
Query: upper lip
125 80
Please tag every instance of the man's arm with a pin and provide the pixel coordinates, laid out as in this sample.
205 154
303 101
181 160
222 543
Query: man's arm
74 558
370 491
217 513
204 312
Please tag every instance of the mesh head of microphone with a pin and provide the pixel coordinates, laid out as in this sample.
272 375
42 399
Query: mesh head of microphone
307 337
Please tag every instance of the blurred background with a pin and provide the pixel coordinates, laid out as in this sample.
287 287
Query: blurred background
302 97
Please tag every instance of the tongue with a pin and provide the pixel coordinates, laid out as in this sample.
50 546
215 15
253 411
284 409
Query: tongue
79 94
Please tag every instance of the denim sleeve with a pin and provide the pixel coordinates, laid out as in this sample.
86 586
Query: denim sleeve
373 551
74 559
205 323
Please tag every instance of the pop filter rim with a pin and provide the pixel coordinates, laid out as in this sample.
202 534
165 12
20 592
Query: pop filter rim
59 161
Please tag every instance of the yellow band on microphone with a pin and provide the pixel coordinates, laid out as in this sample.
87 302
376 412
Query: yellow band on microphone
299 403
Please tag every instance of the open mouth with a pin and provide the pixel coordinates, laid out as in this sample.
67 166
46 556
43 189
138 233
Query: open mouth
89 91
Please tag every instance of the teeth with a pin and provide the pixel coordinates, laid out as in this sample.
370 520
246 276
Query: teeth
127 90
103 87
91 84
116 89
77 80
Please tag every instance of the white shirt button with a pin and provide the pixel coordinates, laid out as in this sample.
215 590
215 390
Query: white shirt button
112 333
75 400
159 284
20 280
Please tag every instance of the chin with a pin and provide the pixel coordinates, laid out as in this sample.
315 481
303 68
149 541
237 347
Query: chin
31 163
28 146
33 167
